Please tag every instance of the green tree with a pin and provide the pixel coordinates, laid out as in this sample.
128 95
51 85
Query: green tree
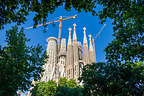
103 79
64 88
128 21
62 82
69 83
67 91
18 63
17 10
72 83
45 89
68 88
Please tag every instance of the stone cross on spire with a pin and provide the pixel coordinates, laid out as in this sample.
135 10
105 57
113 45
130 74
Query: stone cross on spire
85 38
74 34
69 40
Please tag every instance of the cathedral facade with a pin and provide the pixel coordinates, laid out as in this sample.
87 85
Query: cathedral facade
67 58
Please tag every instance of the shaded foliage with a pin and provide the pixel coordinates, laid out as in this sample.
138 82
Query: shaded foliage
18 63
17 10
103 79
128 21
68 88
67 91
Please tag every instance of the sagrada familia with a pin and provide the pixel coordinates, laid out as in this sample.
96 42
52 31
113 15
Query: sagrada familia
66 59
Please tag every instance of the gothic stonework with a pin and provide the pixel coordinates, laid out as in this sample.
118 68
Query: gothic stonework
50 66
69 59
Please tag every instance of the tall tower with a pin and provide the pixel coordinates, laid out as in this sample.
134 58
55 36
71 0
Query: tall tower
94 54
62 60
85 49
69 58
90 50
75 54
50 66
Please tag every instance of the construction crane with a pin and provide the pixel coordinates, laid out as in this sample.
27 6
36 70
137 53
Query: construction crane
94 38
99 32
60 27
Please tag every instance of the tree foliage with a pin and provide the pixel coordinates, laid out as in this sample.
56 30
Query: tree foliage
69 83
45 89
103 79
68 88
18 63
128 21
17 10
64 88
67 91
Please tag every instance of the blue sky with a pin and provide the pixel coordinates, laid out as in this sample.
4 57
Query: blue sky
92 24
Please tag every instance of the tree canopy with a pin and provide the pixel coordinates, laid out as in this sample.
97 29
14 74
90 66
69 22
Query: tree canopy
17 10
64 88
128 21
101 79
45 89
18 63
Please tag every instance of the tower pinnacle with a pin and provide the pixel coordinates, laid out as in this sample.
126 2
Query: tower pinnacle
94 59
74 34
69 40
85 38
90 43
85 48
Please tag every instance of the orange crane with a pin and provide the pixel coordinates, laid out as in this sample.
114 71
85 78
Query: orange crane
60 27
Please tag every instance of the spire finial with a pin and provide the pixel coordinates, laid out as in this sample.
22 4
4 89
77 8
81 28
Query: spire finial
74 34
90 37
74 25
85 38
69 29
69 40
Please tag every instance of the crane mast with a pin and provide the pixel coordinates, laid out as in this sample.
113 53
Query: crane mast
59 35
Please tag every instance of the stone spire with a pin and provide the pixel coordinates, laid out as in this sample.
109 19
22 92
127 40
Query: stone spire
85 38
74 34
94 53
75 54
69 59
90 43
63 47
90 50
69 39
62 60
85 49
